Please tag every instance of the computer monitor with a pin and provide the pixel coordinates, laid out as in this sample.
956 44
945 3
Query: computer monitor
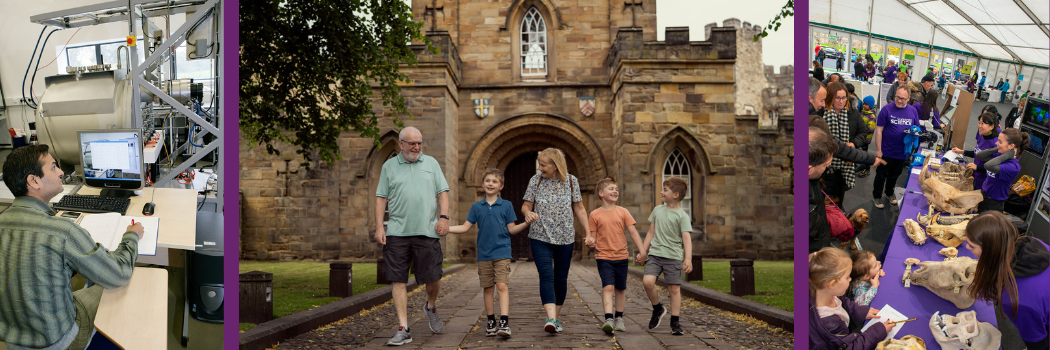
112 160
1036 114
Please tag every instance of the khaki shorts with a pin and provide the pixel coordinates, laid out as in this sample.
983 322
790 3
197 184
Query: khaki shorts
493 271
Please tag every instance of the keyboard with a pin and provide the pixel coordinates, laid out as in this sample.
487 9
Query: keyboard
93 204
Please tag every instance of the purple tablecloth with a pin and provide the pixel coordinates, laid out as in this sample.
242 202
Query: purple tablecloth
916 301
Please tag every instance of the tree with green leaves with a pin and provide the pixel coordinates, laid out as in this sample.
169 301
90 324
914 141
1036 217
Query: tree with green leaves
309 70
774 25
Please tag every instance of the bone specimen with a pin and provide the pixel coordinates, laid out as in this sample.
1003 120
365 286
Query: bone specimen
942 219
964 332
915 232
948 235
949 252
948 279
908 342
945 197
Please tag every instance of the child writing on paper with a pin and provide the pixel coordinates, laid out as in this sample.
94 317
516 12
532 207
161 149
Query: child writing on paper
830 313
865 277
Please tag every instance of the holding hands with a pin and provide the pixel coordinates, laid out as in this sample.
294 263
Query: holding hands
531 217
441 227
589 241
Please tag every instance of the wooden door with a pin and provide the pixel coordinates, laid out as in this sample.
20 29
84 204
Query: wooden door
517 176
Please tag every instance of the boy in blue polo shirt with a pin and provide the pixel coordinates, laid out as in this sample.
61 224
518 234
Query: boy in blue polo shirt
495 218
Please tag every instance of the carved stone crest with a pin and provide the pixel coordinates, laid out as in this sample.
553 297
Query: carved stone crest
587 106
481 107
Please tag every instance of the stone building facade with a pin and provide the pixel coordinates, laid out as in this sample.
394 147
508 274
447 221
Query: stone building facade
680 107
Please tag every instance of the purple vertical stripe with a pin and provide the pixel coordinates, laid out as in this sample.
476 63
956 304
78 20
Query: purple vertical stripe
230 170
801 174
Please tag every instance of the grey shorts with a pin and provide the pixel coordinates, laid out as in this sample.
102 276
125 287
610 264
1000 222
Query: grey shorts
671 268
421 252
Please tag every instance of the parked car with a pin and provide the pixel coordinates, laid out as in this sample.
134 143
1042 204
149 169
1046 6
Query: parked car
831 52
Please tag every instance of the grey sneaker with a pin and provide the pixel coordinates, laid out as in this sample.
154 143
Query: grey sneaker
504 328
608 326
432 317
618 325
549 327
402 337
557 325
893 200
879 203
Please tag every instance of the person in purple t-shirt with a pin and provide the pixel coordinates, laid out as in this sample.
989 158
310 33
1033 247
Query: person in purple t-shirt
1011 273
987 135
890 125
891 72
1002 169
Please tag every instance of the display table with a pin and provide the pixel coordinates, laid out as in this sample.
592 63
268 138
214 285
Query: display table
917 301
994 96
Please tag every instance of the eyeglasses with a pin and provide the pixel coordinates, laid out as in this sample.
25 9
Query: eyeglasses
898 98
841 98
413 144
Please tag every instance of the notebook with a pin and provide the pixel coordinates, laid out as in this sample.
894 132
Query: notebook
108 228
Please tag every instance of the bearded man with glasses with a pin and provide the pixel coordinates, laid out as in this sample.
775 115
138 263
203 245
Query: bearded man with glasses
890 125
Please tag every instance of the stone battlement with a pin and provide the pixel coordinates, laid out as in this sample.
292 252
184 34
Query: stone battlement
629 44
745 28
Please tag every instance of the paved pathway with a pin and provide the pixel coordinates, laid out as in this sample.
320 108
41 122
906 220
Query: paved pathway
461 306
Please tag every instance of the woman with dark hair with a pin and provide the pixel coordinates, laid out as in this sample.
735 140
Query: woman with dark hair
1002 169
987 135
990 108
1009 267
928 112
818 71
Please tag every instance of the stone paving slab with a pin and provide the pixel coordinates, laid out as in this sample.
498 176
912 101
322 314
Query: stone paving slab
460 305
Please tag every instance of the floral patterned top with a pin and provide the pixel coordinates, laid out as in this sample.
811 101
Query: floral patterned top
552 200
863 292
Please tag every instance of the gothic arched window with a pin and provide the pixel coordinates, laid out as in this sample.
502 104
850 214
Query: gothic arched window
677 165
533 45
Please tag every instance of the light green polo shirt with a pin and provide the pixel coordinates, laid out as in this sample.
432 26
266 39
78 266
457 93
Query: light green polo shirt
411 191
667 240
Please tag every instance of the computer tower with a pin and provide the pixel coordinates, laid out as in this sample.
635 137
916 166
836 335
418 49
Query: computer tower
204 268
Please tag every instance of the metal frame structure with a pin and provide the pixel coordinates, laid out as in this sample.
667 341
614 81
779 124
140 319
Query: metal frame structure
138 11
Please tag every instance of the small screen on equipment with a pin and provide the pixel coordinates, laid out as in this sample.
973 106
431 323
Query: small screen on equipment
1037 145
1035 114
111 158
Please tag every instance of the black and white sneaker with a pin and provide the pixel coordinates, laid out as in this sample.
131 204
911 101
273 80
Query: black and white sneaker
879 202
490 328
676 329
658 316
504 328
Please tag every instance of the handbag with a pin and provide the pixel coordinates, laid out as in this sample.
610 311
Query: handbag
841 228
1024 186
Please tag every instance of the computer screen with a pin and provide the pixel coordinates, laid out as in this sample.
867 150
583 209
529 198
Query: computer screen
112 159
1035 114
1037 144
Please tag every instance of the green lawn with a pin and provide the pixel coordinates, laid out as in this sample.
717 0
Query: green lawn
773 281
300 286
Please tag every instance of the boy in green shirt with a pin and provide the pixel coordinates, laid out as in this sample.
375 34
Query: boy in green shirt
662 251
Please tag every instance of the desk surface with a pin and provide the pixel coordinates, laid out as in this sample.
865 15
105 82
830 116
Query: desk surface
917 301
135 316
177 210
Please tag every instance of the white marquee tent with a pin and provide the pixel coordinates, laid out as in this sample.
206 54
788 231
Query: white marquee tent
1005 38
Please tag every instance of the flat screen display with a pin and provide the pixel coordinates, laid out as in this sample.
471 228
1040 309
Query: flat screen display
1036 114
111 158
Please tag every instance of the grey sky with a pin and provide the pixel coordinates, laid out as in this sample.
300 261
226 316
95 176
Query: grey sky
777 48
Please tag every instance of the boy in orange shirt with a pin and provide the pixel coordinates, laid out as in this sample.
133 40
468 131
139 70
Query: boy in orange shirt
607 226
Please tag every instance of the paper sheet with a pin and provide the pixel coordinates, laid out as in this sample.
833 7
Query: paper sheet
916 171
108 229
148 242
887 313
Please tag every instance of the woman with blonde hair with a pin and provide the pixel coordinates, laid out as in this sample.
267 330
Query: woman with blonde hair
552 197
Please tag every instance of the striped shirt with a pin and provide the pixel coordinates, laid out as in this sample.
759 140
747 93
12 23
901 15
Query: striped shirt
39 253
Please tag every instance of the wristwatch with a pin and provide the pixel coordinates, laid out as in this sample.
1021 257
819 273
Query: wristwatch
443 217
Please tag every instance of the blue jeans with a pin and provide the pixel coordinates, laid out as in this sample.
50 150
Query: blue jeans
552 263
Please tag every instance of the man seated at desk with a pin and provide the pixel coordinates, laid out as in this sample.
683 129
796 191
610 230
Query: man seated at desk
41 252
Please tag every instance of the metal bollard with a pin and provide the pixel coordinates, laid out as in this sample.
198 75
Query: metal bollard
256 297
742 277
340 279
698 269
381 272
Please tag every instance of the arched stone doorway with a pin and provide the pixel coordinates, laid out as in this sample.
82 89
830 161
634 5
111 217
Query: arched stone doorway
512 146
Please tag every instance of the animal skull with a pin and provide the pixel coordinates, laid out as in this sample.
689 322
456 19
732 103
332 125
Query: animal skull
964 332
908 342
949 279
945 197
949 252
956 175
942 219
915 232
948 235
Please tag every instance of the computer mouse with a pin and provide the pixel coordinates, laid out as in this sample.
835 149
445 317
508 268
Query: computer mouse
147 209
